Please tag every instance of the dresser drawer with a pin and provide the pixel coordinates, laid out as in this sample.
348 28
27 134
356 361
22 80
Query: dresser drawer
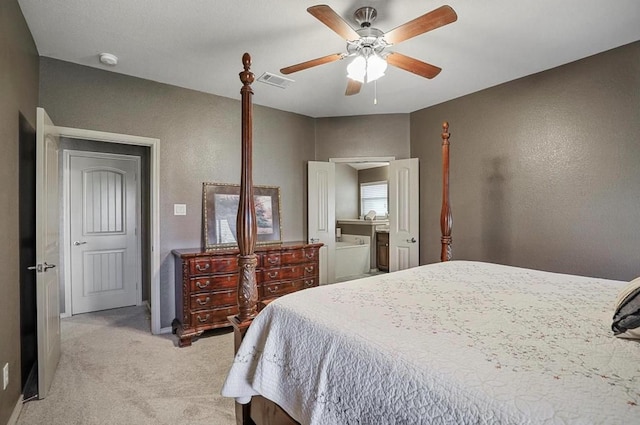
271 259
288 273
310 270
210 283
214 299
282 288
208 265
292 256
311 254
214 315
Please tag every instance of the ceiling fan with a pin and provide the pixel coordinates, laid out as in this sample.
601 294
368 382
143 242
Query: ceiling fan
367 44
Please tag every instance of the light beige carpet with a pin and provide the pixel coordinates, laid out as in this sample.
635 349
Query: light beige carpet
113 371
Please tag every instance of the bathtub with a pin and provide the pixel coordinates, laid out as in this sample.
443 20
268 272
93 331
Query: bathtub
352 257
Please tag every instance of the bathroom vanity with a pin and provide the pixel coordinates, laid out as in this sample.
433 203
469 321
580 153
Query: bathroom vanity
365 228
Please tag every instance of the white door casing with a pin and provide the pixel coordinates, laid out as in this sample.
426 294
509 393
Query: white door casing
154 209
404 220
104 249
321 211
47 251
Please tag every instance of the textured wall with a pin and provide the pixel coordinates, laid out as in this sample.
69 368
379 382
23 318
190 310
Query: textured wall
18 93
200 142
377 174
544 169
369 135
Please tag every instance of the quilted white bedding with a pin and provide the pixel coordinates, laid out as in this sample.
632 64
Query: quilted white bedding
449 343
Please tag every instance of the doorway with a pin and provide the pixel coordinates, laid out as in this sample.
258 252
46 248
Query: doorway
403 183
102 142
102 214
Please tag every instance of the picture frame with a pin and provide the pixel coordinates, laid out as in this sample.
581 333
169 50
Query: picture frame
220 211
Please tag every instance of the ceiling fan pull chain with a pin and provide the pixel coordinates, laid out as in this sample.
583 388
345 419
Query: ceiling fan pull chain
375 92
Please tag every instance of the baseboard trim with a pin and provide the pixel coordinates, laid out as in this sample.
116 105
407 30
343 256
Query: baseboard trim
13 419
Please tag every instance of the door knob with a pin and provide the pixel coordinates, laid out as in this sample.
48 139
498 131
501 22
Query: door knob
412 240
41 267
76 243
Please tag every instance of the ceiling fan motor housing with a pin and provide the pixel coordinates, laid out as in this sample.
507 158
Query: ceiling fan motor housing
371 39
365 16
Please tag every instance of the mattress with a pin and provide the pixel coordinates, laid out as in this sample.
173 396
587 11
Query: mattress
449 343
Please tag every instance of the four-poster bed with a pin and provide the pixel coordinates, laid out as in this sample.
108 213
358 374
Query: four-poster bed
454 342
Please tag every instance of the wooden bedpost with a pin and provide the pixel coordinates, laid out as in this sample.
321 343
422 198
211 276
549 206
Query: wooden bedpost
246 232
246 220
446 220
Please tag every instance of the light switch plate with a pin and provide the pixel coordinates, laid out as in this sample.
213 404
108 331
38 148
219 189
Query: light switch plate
179 209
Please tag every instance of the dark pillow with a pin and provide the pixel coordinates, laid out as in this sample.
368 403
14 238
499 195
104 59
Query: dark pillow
626 319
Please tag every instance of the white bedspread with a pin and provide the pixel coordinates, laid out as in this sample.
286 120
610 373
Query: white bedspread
449 343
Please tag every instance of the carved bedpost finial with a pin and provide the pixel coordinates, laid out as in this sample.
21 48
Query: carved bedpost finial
446 220
246 76
445 132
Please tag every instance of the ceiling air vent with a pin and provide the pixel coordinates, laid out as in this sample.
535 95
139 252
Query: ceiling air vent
275 80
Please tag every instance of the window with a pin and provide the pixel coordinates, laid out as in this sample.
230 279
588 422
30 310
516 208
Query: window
373 196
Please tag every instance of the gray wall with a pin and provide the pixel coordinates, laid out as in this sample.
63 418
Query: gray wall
200 142
544 169
18 93
377 174
369 135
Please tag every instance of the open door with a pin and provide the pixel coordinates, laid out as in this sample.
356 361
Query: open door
321 210
404 220
47 251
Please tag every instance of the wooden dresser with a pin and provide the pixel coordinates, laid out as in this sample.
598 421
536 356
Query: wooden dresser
206 282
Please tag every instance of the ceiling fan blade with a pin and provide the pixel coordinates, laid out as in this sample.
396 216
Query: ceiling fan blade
353 87
330 18
429 21
412 65
312 63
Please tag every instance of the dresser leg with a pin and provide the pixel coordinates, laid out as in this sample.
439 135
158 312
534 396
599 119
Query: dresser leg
184 341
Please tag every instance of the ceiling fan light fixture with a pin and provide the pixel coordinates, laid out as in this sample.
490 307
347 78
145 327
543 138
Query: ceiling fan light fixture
376 66
357 69
370 68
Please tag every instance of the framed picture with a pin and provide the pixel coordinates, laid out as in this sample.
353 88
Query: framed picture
220 212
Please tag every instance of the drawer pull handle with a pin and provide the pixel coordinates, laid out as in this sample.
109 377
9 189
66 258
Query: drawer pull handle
308 283
206 300
203 268
272 275
308 269
272 260
272 289
201 320
309 256
202 286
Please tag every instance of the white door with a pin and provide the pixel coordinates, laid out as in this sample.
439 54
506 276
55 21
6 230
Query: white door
47 251
404 220
321 211
104 212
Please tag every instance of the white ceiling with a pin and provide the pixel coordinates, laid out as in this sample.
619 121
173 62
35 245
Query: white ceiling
198 44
